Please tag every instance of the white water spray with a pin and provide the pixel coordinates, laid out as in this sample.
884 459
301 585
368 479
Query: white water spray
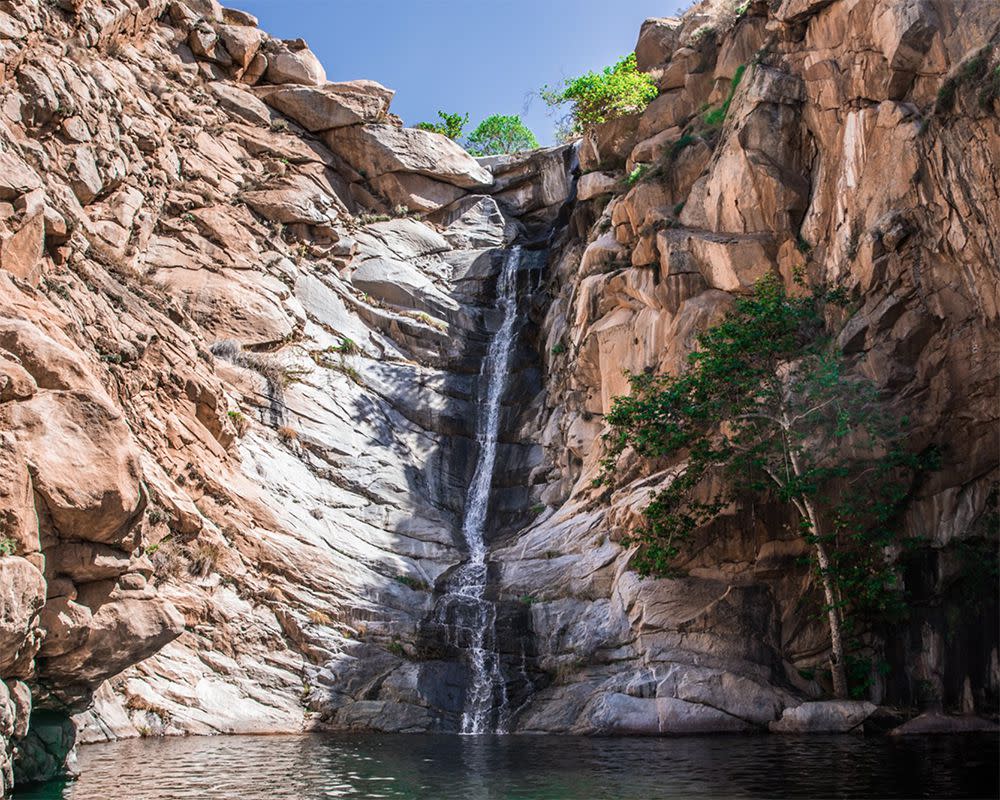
484 661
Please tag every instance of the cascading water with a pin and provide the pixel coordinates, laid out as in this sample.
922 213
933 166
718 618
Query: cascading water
486 687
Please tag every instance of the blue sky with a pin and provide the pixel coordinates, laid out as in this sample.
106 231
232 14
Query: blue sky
471 56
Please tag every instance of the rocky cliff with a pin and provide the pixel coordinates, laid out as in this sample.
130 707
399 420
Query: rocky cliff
242 315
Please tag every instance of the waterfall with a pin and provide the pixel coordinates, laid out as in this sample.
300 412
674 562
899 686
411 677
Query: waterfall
470 585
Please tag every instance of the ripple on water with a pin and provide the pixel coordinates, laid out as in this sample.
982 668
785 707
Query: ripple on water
438 767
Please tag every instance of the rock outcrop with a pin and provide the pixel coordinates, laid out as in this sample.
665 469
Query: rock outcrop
242 311
852 142
236 379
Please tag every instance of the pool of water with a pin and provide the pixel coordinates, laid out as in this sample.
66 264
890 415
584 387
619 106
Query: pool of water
440 767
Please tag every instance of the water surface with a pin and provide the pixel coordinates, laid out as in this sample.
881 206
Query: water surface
442 767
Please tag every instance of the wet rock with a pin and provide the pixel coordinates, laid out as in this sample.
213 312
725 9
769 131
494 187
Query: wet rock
831 716
932 722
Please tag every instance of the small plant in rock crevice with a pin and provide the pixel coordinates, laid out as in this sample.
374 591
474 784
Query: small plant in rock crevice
416 584
240 422
7 546
636 174
396 648
715 117
317 617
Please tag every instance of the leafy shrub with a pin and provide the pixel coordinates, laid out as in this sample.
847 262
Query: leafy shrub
451 125
7 546
501 134
596 97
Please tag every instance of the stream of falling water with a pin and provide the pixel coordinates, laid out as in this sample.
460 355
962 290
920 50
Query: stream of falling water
487 682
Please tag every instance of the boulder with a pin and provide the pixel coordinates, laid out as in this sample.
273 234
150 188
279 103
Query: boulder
934 722
241 103
594 184
606 146
16 177
374 150
415 192
85 179
85 469
331 105
22 595
285 65
210 9
18 519
118 634
295 200
233 16
658 38
241 42
669 110
732 263
402 285
827 716
21 251
405 239
83 562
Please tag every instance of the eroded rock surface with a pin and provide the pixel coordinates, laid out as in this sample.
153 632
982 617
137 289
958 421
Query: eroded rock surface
238 375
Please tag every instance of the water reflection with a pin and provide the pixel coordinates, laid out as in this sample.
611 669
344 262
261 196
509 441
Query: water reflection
439 767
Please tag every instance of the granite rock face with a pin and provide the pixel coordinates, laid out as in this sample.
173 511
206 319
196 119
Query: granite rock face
242 314
858 145
237 382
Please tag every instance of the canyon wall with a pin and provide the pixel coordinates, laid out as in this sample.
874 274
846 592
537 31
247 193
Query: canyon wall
853 143
242 314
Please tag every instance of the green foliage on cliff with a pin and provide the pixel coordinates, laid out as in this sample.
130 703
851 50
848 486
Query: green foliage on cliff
7 546
717 116
451 125
501 134
768 408
597 97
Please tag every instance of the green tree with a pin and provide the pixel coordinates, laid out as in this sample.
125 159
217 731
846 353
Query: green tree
451 125
597 97
500 134
768 406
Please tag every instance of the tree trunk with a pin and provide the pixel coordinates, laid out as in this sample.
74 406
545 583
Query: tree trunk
838 664
837 660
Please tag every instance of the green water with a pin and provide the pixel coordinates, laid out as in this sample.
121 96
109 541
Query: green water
440 767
